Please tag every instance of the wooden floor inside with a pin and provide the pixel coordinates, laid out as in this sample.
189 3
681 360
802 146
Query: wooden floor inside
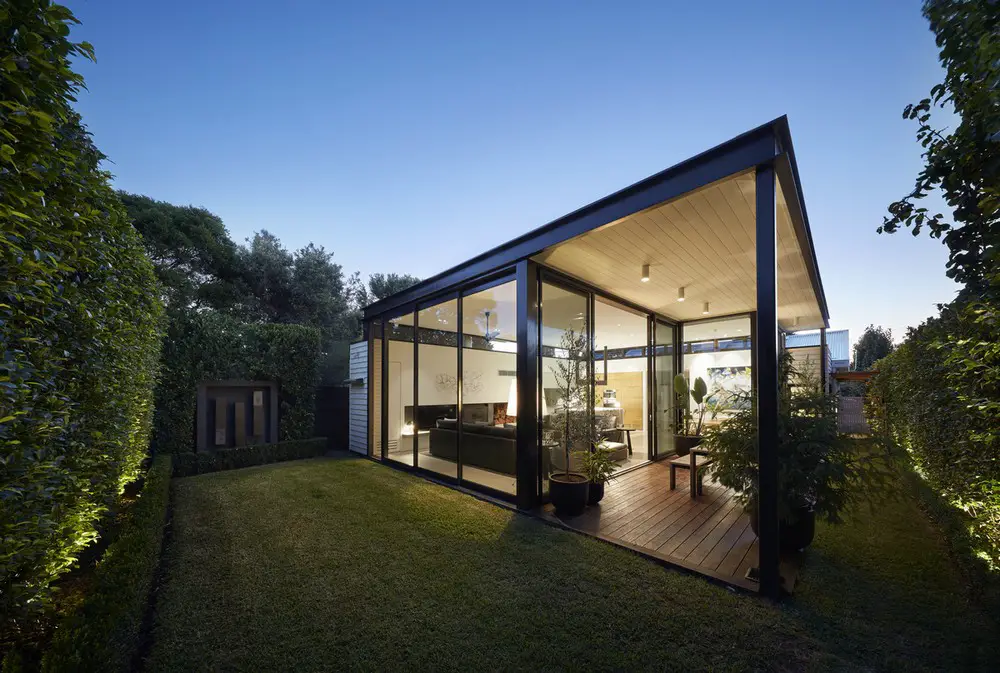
709 534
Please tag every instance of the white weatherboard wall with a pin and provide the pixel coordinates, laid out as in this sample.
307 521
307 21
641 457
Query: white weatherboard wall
359 398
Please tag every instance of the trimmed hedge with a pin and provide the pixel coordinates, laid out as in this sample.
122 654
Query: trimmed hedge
104 634
211 346
938 395
79 319
187 464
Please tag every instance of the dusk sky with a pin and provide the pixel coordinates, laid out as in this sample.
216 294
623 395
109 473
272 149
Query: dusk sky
409 137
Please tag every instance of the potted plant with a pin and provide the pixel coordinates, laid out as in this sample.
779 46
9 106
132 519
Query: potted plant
820 474
571 428
689 423
599 468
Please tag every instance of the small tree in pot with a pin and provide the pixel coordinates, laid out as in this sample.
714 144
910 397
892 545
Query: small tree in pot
689 425
571 427
820 472
599 467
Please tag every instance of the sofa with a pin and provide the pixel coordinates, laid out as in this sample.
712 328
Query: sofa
614 439
490 447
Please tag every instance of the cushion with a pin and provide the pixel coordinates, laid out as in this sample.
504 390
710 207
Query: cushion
447 423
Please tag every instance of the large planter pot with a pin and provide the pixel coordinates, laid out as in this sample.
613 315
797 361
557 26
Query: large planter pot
792 535
596 493
684 443
568 493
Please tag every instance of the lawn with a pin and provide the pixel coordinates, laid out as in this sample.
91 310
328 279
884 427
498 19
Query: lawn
345 564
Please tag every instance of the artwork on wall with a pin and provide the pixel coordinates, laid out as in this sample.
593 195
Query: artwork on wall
473 382
729 378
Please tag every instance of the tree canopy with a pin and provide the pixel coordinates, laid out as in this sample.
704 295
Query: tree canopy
875 343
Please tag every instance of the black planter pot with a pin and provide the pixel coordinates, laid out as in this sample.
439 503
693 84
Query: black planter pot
684 443
596 493
792 535
568 493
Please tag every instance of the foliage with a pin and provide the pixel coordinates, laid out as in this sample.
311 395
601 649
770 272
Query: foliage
571 425
817 467
79 318
380 286
211 346
597 464
187 464
103 634
938 396
196 262
875 343
962 166
683 395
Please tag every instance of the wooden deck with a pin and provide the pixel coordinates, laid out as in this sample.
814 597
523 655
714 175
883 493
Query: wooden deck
709 534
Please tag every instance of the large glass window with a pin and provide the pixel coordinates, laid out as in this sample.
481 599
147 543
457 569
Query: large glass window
664 371
566 395
718 351
621 381
400 417
437 388
489 388
375 390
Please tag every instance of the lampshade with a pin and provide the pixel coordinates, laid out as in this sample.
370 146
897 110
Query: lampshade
512 398
645 273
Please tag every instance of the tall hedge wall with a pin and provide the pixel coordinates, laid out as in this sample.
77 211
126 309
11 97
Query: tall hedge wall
938 395
79 318
210 346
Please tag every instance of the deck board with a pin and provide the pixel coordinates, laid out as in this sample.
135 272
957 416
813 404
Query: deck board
708 534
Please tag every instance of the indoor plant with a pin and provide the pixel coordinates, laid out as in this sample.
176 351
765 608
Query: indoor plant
599 468
820 473
571 427
689 425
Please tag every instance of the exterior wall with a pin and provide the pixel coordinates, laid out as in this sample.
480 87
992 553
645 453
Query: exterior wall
807 361
359 398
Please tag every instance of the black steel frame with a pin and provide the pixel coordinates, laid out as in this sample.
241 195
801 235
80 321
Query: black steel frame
767 150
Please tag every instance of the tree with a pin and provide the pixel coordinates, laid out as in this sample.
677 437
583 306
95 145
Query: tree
382 285
196 262
875 343
964 165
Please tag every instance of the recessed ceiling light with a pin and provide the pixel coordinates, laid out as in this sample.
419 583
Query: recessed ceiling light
645 273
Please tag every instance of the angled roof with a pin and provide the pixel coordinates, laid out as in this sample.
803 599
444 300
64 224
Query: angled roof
768 143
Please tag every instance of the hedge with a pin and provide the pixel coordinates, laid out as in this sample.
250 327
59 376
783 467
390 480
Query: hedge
211 346
79 319
938 396
104 633
187 464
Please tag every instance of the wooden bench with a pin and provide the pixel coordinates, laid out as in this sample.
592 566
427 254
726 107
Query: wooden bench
695 463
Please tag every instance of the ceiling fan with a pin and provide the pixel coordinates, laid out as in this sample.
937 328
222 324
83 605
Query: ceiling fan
490 334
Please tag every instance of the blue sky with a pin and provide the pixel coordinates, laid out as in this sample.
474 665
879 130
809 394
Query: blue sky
409 137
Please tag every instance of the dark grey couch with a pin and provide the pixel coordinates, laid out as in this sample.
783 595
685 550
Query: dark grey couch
491 447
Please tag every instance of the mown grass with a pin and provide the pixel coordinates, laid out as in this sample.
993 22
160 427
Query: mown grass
346 564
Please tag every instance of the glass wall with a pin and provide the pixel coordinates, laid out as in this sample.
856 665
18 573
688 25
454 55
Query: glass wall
375 391
399 405
567 399
621 381
718 351
489 387
437 388
664 371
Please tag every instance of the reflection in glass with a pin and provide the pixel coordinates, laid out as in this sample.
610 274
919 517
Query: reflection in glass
399 332
718 351
663 366
437 389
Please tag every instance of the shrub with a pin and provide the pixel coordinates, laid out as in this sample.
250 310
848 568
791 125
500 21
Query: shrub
79 318
211 346
187 464
938 395
103 634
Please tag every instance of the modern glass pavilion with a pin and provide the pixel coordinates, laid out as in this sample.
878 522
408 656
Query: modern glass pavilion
699 269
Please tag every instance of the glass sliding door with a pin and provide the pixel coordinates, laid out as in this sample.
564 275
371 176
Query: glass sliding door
399 391
718 351
489 388
664 370
621 381
567 400
433 431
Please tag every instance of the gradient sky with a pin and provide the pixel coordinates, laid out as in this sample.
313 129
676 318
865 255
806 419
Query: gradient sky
409 137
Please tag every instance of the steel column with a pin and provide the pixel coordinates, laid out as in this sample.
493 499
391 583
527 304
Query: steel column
528 403
766 342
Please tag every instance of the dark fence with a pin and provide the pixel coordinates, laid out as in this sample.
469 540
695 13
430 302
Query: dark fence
333 416
851 416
